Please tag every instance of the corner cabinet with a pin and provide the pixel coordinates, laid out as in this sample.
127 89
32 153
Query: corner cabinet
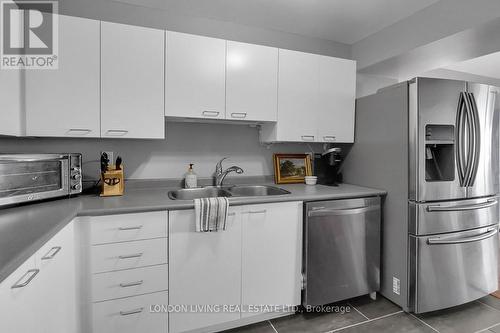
40 296
316 97
195 82
132 82
65 102
255 261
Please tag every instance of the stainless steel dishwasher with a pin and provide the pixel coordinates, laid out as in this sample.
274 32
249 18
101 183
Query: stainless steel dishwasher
341 250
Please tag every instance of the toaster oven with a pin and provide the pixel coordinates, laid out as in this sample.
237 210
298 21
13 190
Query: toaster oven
31 177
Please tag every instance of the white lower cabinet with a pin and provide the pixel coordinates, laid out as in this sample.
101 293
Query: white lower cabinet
132 314
204 270
40 295
271 255
255 262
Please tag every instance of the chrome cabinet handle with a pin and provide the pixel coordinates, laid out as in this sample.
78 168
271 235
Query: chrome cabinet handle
440 241
131 284
31 273
487 204
239 115
116 132
131 312
329 138
79 131
130 228
52 253
307 137
130 256
337 211
211 114
263 211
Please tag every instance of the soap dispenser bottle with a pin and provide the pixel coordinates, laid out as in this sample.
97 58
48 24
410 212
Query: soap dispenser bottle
190 179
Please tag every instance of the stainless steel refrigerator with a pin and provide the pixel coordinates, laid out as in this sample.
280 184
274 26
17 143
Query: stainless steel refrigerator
433 145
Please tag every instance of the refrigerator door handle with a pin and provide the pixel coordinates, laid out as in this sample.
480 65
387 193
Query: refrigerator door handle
469 128
460 144
486 204
476 141
442 241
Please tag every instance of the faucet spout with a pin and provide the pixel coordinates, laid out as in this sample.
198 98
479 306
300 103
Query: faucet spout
221 174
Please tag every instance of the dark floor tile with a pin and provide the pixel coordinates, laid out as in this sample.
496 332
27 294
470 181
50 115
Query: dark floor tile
495 329
262 327
314 322
396 323
467 318
491 301
374 309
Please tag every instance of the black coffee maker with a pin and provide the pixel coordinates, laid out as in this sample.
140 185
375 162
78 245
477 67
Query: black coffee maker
327 167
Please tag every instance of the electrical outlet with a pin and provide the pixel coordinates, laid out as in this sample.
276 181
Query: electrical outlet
110 156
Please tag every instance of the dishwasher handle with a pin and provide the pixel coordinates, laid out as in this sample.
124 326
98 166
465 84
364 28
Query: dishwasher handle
341 211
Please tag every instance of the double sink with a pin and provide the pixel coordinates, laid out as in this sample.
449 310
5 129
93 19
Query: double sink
226 191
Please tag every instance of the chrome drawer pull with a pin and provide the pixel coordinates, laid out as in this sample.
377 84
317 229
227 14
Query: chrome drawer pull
131 284
33 273
239 115
129 256
308 137
131 312
130 228
438 241
329 138
263 211
210 113
487 204
78 131
55 250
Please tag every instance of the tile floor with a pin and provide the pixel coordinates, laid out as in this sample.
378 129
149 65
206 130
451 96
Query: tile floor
364 315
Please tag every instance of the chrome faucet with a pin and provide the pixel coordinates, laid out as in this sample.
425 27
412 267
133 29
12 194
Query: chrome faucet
221 174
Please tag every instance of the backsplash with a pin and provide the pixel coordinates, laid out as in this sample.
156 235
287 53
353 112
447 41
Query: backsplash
201 144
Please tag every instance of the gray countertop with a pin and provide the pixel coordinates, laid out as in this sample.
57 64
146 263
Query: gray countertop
24 229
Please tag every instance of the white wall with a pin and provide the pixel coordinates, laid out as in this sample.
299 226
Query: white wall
369 84
201 144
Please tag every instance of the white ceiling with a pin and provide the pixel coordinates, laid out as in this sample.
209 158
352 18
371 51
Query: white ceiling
488 66
345 21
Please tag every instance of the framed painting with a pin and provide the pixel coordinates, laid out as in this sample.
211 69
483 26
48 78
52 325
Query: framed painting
291 168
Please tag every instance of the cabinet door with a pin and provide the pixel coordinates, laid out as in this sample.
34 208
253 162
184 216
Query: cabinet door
65 102
11 111
195 76
132 82
337 89
56 260
251 82
271 254
204 269
21 302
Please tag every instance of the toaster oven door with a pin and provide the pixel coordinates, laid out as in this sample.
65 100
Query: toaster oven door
25 179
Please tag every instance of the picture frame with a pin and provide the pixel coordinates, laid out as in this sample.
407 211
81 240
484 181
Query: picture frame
291 168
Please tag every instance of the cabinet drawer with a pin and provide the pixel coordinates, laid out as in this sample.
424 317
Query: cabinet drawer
113 257
131 282
128 227
131 315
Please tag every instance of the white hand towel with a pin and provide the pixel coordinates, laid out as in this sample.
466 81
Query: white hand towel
211 214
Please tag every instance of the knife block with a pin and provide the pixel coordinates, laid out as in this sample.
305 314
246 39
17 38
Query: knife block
112 182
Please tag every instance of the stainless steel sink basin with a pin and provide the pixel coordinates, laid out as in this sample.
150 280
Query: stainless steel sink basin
194 193
255 190
226 191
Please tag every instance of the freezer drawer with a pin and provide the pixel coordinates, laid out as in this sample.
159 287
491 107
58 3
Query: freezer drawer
341 250
452 216
452 269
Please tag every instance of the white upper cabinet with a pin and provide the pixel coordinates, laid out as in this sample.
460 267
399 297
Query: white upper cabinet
11 94
132 82
195 76
337 93
316 97
65 102
251 82
297 98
